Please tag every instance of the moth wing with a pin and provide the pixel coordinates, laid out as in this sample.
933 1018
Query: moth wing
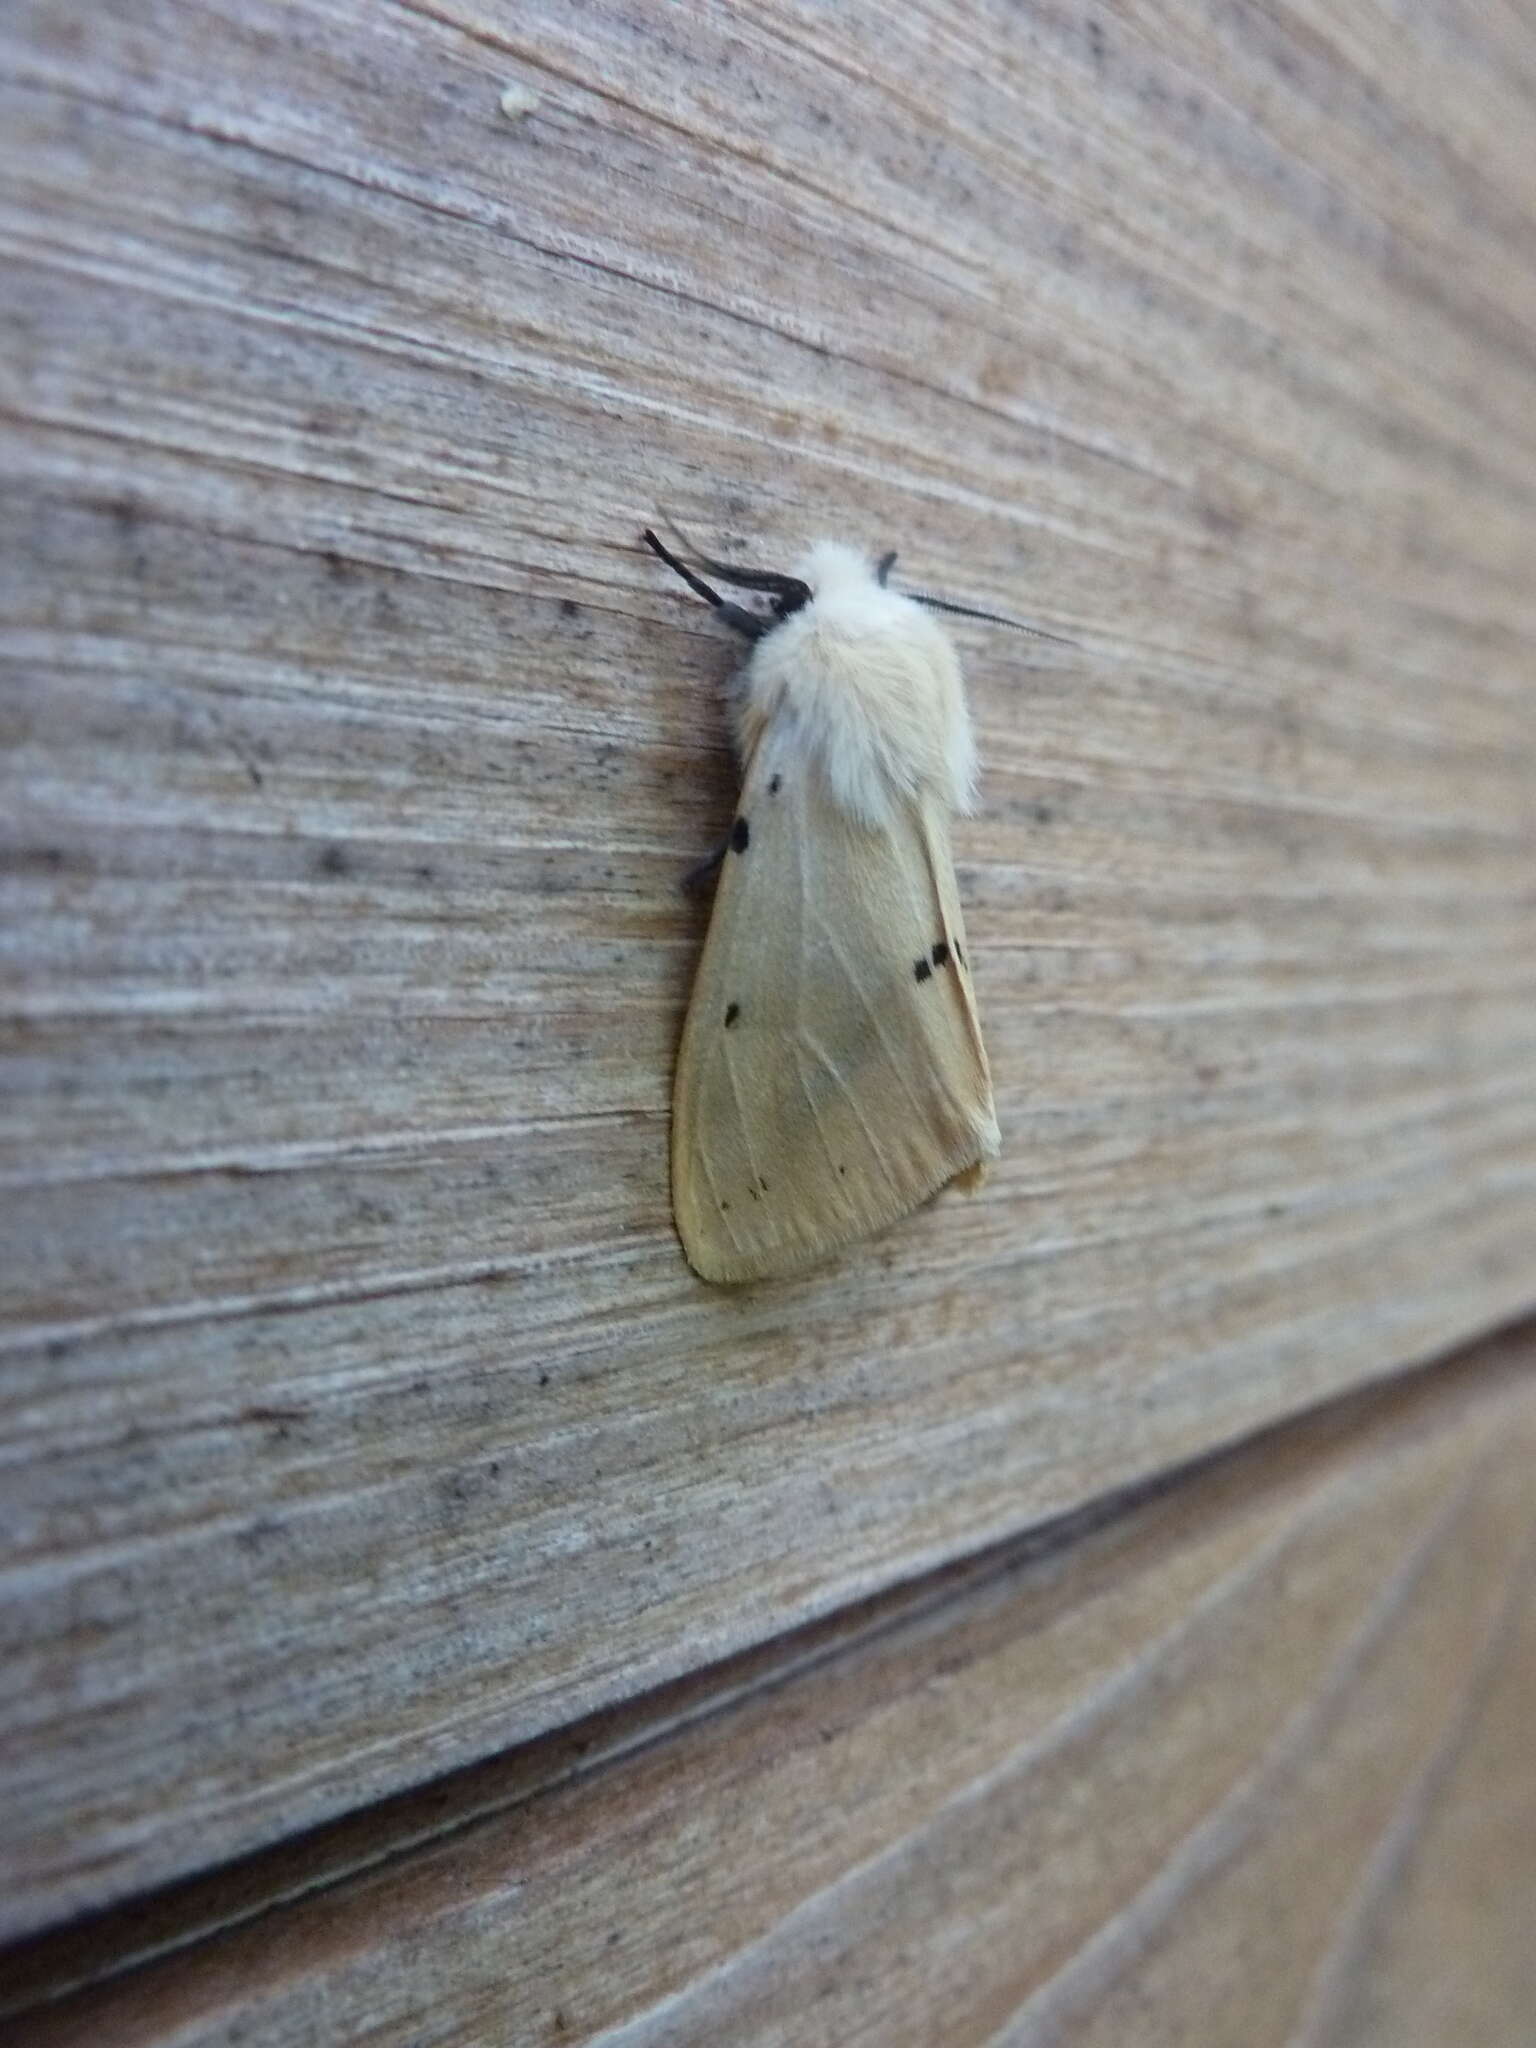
831 1076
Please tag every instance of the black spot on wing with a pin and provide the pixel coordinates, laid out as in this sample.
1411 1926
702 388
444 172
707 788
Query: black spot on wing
941 953
741 836
921 970
776 785
958 954
732 1012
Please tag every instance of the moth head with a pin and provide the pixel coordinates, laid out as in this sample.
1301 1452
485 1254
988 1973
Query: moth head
831 568
830 571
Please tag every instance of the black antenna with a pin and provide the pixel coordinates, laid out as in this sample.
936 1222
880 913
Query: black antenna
695 583
965 611
795 592
745 622
790 588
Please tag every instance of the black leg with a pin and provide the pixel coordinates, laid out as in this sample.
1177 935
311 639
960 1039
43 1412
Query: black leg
695 583
748 624
705 870
884 567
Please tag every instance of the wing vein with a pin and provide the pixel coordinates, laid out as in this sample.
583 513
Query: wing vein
814 1046
814 1114
741 1118
873 1016
802 897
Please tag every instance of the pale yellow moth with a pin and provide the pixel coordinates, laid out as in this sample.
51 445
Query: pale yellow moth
831 1076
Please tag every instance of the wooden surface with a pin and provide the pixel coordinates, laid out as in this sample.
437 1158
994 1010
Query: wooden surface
359 1415
1246 1763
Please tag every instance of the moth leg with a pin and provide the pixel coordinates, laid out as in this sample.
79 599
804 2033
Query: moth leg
748 624
884 567
705 870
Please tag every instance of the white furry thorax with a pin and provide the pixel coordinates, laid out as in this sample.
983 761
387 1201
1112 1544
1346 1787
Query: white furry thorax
867 683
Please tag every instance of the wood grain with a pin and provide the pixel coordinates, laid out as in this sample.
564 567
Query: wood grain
359 1415
1237 1763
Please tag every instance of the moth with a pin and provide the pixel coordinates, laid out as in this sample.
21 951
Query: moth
832 1075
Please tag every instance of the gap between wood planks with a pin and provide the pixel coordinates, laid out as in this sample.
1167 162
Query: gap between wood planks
97 1948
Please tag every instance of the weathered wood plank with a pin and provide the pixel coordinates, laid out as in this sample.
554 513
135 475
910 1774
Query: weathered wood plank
359 1417
1437 1943
1163 1781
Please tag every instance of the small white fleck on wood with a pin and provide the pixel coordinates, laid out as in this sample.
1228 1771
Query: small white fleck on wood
518 101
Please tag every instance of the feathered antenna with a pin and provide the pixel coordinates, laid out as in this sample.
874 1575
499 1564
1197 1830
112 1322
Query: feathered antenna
964 611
